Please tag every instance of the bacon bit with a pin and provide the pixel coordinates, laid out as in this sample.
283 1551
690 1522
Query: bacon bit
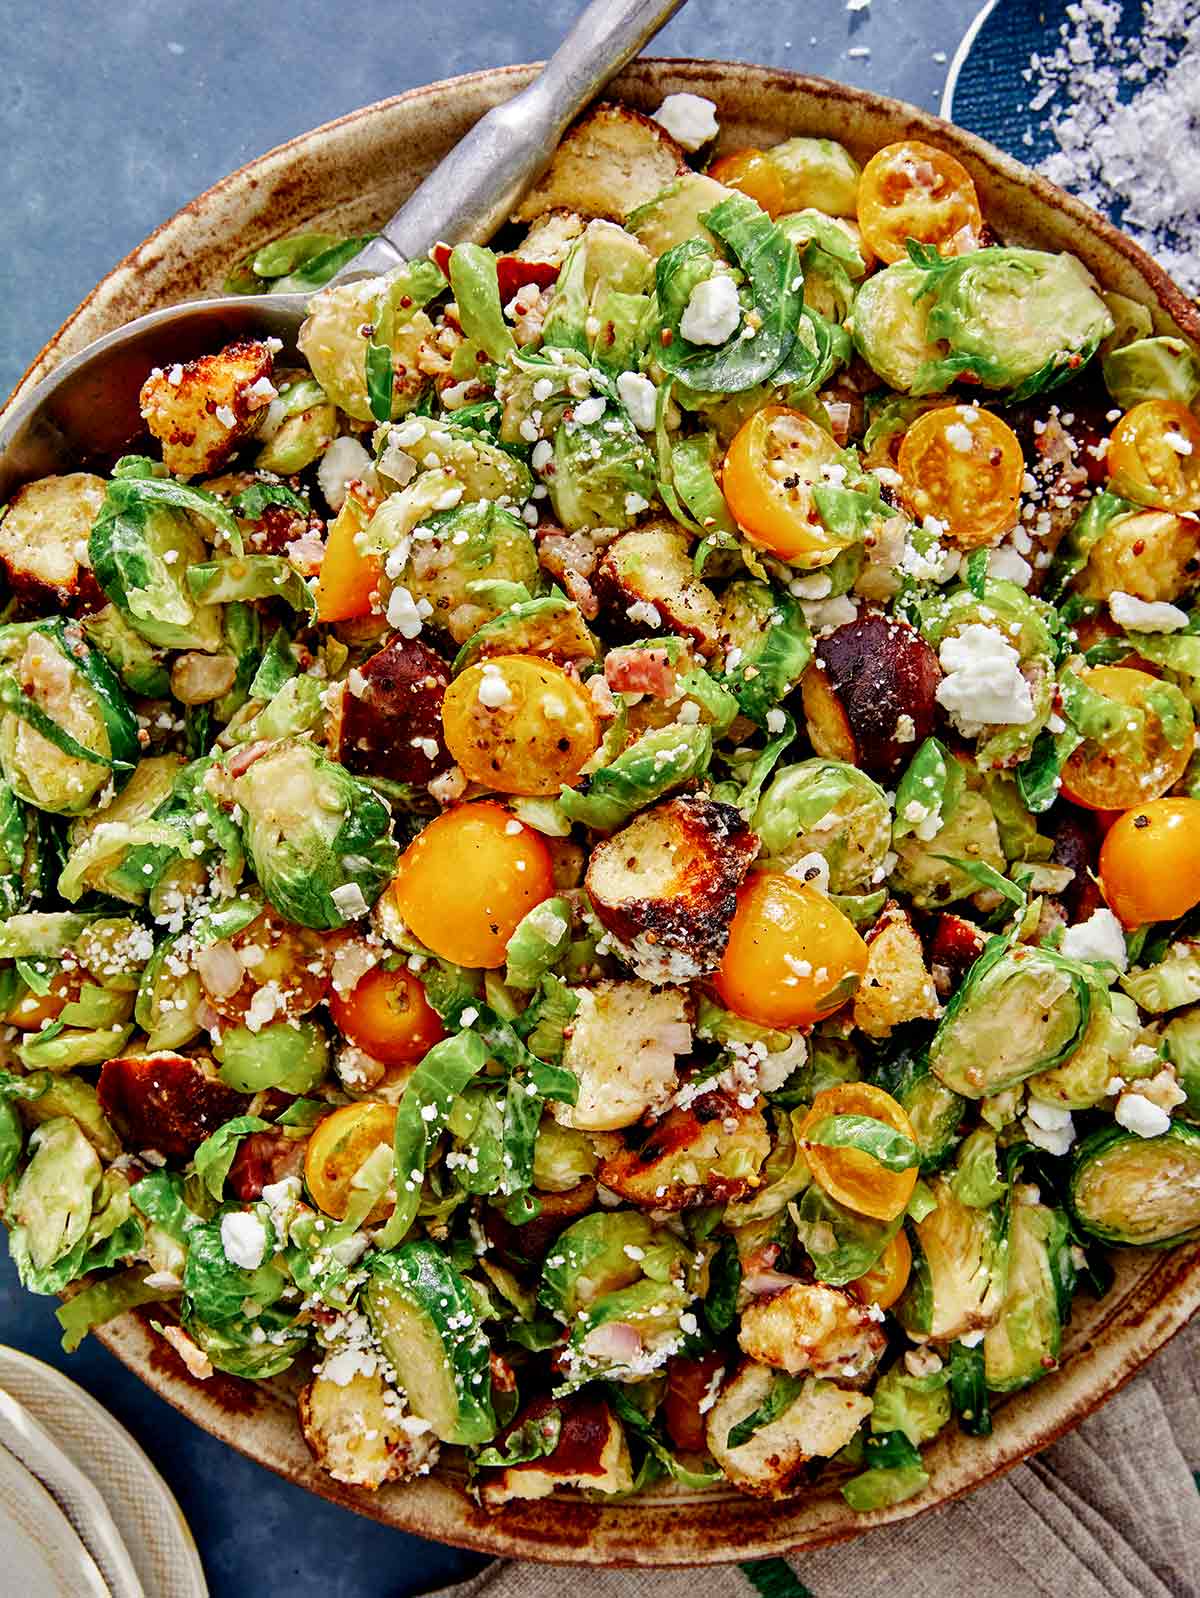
245 758
640 671
306 553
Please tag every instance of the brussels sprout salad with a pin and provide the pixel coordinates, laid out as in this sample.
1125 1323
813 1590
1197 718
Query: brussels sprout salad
605 859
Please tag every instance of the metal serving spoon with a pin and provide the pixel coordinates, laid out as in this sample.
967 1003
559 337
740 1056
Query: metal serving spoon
88 406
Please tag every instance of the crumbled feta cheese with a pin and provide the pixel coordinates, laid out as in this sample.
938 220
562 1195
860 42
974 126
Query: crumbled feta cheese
1138 1114
1098 938
405 613
690 119
589 410
1006 564
348 901
713 312
542 454
817 586
644 612
243 1239
1137 615
959 437
640 398
494 692
776 720
226 417
983 684
823 615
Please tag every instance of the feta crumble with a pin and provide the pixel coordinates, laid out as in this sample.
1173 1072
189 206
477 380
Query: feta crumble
713 312
690 119
983 685
1098 938
243 1239
1141 616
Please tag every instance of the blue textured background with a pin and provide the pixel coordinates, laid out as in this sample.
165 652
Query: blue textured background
113 116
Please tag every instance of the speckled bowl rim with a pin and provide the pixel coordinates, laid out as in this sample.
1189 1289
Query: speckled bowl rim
1155 1295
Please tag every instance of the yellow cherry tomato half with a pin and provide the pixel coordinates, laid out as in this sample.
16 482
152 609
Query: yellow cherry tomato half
964 466
466 880
387 1015
1154 456
339 1147
1143 752
912 190
1150 861
754 173
770 469
519 724
888 1277
792 956
850 1176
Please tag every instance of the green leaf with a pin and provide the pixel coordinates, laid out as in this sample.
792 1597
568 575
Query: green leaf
421 1117
724 1284
102 1302
533 1439
784 1391
979 871
474 282
379 381
215 1155
883 1143
968 1389
772 266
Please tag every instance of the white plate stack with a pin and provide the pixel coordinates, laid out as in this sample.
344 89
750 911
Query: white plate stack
83 1512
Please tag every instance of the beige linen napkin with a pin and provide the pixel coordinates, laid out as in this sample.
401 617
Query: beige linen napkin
1110 1511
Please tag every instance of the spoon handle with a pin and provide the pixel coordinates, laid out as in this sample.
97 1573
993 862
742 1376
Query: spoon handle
473 189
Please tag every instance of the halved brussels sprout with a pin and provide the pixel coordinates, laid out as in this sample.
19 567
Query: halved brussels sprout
1020 1011
890 328
1152 368
562 1157
1082 1080
551 626
918 1406
660 760
673 216
926 873
959 1268
830 808
299 426
1182 1038
136 662
842 1244
1170 984
936 1111
52 1204
767 645
65 728
817 172
117 862
1024 1343
320 840
347 318
591 1259
603 473
466 563
292 1056
1139 1191
1017 319
169 999
604 261
480 468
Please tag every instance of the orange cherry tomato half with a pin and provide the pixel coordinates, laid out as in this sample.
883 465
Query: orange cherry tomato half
467 879
387 1015
792 956
32 1011
911 190
964 466
770 470
348 579
848 1175
1145 753
337 1150
1154 456
888 1277
519 724
1150 861
753 173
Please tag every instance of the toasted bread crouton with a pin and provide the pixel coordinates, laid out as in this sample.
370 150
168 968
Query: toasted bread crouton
623 1043
591 1452
897 986
386 720
201 410
550 238
815 1329
357 1431
870 693
44 539
612 160
652 567
665 887
706 1154
770 1464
